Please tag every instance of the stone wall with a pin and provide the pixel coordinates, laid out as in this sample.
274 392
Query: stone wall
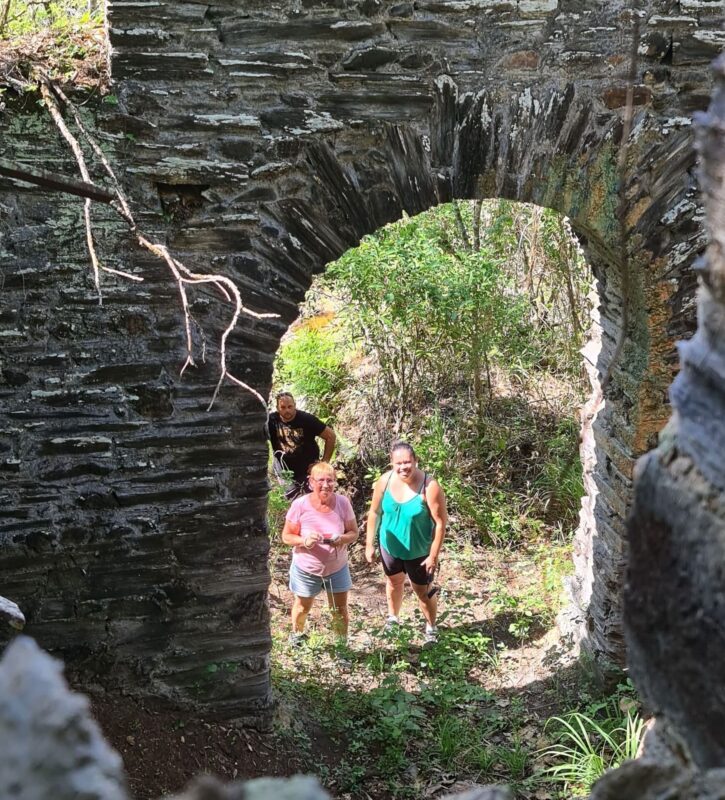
133 519
675 599
674 593
263 141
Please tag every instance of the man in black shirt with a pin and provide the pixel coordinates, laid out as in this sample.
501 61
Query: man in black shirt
293 435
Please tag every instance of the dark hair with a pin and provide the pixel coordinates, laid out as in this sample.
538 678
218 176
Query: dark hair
399 444
280 395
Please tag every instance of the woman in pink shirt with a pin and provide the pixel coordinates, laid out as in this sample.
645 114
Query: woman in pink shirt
320 526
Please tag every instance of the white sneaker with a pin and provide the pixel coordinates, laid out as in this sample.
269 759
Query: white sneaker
431 634
391 623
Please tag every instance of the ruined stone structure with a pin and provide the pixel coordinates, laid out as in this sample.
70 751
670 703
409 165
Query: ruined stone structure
674 596
262 140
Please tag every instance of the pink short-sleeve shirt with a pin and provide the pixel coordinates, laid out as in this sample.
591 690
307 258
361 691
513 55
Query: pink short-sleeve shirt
321 559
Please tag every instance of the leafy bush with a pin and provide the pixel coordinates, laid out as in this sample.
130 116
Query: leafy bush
311 364
429 313
560 481
277 507
62 18
65 39
506 482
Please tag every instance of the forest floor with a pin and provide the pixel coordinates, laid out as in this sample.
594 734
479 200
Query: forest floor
386 717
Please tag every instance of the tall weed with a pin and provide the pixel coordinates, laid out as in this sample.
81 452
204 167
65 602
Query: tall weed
588 746
560 481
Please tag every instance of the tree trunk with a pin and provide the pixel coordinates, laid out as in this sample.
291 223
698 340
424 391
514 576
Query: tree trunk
477 208
4 14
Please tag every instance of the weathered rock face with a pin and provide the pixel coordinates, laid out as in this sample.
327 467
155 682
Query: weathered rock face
111 465
52 748
11 615
676 576
263 141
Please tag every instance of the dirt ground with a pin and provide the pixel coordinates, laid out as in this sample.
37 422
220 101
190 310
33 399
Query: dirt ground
164 747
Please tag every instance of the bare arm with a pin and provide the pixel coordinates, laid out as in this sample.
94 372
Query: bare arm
372 522
291 535
436 501
351 532
329 437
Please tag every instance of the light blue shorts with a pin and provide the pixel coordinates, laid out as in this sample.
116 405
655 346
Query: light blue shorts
305 585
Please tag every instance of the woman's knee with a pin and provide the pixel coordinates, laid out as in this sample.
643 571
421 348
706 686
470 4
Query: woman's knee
421 590
303 603
397 580
338 602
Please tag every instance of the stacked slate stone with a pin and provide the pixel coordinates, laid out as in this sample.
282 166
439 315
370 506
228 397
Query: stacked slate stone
675 600
261 140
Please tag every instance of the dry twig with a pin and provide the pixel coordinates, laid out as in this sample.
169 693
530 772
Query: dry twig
183 276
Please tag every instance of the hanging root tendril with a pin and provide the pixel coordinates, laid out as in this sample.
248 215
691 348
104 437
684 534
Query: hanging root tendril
182 275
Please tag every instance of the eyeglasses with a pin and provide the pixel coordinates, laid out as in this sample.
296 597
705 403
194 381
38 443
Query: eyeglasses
323 480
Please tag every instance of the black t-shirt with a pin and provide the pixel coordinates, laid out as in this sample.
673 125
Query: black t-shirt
296 441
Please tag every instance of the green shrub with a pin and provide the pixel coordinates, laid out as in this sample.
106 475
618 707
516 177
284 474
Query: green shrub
560 481
429 310
65 40
311 364
62 18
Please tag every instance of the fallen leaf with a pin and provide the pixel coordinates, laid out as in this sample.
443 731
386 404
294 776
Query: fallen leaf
627 705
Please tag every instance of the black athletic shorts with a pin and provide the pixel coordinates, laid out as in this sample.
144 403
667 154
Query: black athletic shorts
412 567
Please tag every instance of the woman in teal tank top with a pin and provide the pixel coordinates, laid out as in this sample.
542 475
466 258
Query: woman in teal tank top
408 512
406 529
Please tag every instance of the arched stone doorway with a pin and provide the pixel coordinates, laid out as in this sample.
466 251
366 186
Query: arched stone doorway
264 144
623 424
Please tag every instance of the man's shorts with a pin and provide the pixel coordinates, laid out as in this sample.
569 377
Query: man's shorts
305 585
294 484
412 567
297 489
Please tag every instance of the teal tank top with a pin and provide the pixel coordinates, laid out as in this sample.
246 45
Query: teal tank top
406 529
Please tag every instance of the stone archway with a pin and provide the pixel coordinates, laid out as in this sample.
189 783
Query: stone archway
582 185
264 143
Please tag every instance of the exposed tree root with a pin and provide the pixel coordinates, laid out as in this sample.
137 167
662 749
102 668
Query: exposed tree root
53 97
